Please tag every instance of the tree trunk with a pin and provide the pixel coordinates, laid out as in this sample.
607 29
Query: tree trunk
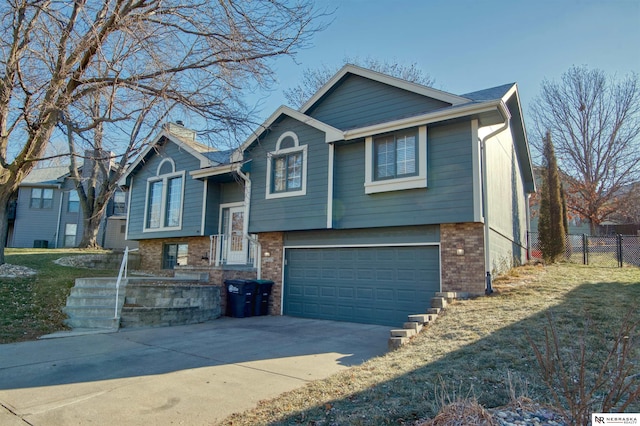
5 196
90 230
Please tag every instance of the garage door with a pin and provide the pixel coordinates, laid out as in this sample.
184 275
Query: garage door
373 285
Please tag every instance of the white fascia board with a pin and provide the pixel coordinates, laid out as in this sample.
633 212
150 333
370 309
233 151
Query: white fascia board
214 171
386 79
432 117
331 133
204 161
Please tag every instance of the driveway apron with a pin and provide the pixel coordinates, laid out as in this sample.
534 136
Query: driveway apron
192 375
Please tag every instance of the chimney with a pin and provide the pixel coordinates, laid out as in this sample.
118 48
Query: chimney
178 129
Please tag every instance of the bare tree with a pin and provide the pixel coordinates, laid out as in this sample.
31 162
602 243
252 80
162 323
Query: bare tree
314 78
197 54
595 125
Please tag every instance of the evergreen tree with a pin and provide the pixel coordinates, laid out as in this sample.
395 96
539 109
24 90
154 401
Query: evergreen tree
552 223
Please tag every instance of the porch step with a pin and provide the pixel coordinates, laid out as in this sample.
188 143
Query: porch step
419 318
92 304
416 322
396 342
92 323
92 291
104 311
403 332
452 295
76 300
439 302
413 326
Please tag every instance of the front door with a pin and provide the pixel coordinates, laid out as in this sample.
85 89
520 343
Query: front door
236 243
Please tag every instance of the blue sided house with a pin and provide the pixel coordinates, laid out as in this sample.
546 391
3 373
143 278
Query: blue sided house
359 206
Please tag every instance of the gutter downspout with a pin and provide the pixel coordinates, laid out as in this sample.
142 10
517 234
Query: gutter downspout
487 257
59 218
247 209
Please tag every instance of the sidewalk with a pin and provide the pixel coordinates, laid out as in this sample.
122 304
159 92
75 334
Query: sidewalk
191 375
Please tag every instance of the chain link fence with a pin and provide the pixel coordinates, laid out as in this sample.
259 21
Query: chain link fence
612 251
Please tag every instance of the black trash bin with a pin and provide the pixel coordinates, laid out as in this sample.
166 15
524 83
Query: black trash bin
240 298
263 290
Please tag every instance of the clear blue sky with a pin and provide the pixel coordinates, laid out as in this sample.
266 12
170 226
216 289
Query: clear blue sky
472 45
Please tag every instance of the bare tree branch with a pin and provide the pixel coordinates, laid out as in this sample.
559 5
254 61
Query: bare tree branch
127 56
595 123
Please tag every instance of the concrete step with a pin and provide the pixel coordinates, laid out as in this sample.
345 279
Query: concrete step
396 342
451 295
75 300
89 311
94 291
402 332
439 302
419 318
92 322
411 325
432 311
95 282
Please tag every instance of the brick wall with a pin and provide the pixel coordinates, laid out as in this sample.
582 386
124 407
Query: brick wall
465 273
273 243
151 251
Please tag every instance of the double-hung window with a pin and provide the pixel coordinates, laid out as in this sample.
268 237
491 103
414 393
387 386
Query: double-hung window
119 203
163 208
396 161
73 205
287 172
395 155
41 198
70 231
287 168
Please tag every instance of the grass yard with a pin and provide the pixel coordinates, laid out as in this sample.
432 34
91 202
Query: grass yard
31 307
477 349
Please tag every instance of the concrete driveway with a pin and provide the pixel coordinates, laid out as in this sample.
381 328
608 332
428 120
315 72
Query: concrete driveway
192 375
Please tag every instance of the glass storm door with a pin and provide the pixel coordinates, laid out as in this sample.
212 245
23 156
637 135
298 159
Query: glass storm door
236 243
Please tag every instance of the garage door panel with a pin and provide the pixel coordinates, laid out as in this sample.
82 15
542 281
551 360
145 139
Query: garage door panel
378 285
345 292
385 295
366 274
365 293
385 274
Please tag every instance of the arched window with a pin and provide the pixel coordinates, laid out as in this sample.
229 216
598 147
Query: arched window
287 168
163 207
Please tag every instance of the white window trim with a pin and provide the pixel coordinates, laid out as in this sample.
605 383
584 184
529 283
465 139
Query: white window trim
372 186
163 202
278 152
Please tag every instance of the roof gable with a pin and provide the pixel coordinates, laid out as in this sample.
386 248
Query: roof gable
331 133
203 153
349 69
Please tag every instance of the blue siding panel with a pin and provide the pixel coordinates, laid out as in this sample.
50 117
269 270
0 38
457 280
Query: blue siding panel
358 101
35 224
192 201
290 213
447 199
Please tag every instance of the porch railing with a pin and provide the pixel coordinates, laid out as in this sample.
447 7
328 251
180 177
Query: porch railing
222 244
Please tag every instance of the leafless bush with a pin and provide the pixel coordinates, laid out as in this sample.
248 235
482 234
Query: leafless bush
594 374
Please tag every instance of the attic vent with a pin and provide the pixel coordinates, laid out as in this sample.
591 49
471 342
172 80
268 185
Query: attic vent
179 130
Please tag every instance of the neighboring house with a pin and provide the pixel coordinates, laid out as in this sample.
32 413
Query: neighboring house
48 213
361 205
